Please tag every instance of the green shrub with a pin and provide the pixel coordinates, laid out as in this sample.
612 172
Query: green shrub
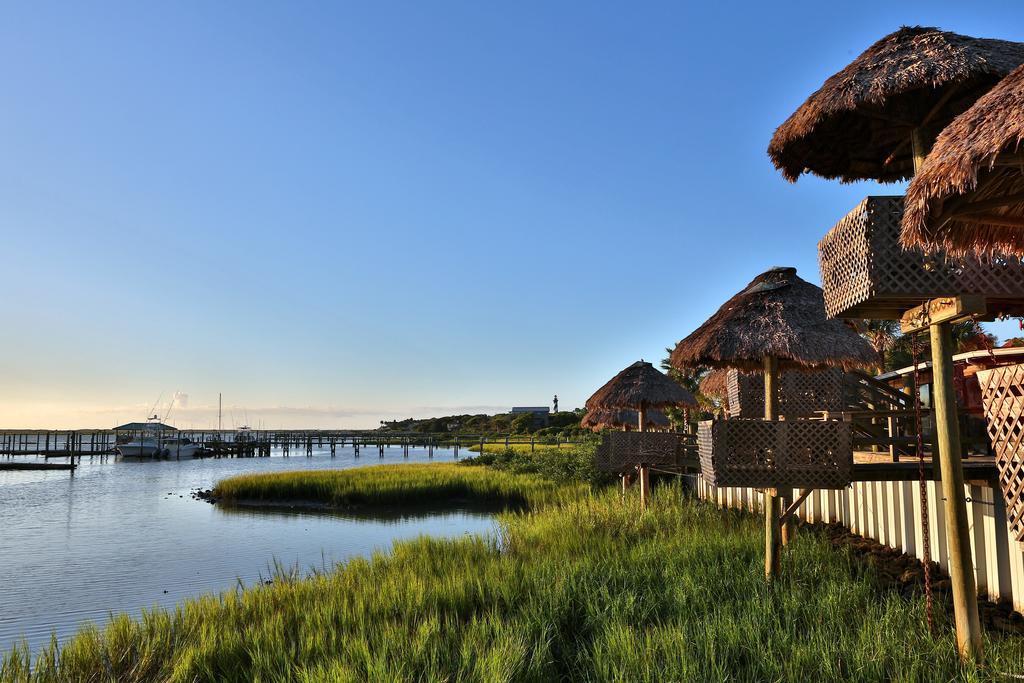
564 465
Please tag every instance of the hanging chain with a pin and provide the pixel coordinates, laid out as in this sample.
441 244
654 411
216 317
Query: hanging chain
922 481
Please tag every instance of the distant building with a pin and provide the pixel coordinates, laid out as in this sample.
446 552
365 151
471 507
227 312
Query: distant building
539 414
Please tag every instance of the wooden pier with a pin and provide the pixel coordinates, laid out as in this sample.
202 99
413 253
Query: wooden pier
35 465
54 444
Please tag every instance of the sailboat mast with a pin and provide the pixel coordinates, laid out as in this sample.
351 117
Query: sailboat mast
220 397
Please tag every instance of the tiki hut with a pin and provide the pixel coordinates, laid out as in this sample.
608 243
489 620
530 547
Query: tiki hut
640 387
779 319
968 198
604 418
778 315
716 384
911 83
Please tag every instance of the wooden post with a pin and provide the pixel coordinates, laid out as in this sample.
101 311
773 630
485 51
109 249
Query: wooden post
920 147
645 475
947 442
772 533
645 486
893 432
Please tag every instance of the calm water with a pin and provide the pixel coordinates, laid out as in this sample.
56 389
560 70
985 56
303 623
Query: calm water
121 536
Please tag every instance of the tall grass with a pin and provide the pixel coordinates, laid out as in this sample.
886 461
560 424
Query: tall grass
589 590
395 486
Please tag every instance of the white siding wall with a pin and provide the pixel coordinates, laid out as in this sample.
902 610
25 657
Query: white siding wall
890 513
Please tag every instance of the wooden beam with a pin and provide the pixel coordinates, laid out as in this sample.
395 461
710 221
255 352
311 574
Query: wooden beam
963 213
938 106
1009 160
795 505
989 219
945 309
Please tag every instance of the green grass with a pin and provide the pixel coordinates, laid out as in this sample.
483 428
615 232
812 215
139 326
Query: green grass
395 485
591 589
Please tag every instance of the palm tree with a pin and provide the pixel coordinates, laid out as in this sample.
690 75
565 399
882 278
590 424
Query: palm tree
690 379
883 335
969 335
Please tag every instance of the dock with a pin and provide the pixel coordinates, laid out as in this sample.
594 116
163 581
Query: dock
17 465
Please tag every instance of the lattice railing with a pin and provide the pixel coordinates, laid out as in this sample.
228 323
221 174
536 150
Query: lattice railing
622 451
865 273
800 394
1002 394
785 454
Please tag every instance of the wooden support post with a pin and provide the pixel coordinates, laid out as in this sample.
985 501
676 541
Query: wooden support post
947 441
772 532
893 432
920 147
645 486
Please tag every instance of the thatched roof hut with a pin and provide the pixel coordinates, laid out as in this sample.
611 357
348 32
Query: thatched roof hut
968 197
858 125
779 315
716 384
603 418
638 387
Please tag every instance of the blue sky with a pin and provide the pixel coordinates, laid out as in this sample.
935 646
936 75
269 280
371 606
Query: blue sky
338 213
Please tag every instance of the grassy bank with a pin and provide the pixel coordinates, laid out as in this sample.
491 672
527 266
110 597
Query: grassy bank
589 589
395 486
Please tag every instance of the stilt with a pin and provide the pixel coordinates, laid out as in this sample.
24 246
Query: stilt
947 438
772 533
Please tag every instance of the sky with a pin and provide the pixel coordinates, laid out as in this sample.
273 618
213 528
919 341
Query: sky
337 213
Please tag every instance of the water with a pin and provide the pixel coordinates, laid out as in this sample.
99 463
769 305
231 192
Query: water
123 536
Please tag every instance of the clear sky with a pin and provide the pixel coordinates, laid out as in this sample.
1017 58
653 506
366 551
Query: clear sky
338 213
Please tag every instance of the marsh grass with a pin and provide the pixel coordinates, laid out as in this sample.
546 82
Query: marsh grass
591 589
396 487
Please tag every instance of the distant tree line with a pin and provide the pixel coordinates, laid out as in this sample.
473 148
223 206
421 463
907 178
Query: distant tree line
560 424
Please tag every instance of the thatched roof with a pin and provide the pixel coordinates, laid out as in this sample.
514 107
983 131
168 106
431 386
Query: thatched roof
778 314
857 126
968 197
601 418
640 386
716 383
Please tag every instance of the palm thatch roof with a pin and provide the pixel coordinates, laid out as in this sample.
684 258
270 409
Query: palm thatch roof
640 386
968 197
716 384
603 418
858 125
778 314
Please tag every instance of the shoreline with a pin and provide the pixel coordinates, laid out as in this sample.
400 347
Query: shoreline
462 504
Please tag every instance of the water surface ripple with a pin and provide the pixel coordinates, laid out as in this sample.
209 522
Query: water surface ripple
123 536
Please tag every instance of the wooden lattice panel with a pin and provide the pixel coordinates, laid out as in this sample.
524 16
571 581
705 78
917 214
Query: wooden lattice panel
785 454
865 273
800 394
622 451
1002 394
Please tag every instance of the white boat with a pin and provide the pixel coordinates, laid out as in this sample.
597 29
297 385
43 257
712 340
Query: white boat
139 447
153 439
